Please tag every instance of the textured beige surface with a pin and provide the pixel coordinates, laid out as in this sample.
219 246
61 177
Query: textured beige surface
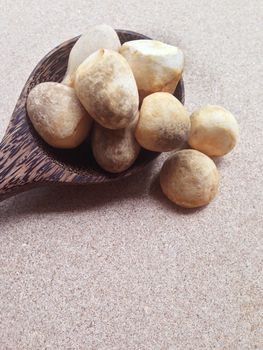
117 266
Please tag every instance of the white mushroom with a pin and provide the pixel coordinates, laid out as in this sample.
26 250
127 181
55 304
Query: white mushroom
97 37
155 65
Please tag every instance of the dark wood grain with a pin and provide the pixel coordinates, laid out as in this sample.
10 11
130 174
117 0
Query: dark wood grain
27 161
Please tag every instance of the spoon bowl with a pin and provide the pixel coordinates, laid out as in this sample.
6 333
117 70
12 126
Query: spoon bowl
26 161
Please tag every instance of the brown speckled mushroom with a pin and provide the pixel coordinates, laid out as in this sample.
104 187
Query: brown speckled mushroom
114 150
57 115
164 123
107 89
189 178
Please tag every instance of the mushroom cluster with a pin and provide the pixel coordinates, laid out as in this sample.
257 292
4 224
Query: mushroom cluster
120 96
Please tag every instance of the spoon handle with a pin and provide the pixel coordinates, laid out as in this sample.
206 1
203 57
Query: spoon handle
16 171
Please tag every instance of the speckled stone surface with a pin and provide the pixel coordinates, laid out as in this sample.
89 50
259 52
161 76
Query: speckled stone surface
117 266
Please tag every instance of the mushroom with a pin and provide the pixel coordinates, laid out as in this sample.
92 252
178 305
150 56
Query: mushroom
189 178
155 65
114 150
214 130
107 89
164 123
57 115
97 37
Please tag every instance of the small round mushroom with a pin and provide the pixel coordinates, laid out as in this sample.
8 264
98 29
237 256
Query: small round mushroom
214 130
57 115
114 150
155 65
189 178
107 89
97 37
164 123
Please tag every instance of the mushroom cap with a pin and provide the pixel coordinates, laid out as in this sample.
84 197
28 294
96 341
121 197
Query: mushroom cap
155 65
214 130
164 123
96 37
189 178
107 89
114 150
57 115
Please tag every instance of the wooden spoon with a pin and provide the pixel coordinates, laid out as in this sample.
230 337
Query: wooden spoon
26 161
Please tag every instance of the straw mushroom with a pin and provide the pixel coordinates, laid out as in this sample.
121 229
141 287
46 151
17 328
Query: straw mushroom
155 65
57 115
107 89
164 123
114 150
214 130
97 37
189 178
